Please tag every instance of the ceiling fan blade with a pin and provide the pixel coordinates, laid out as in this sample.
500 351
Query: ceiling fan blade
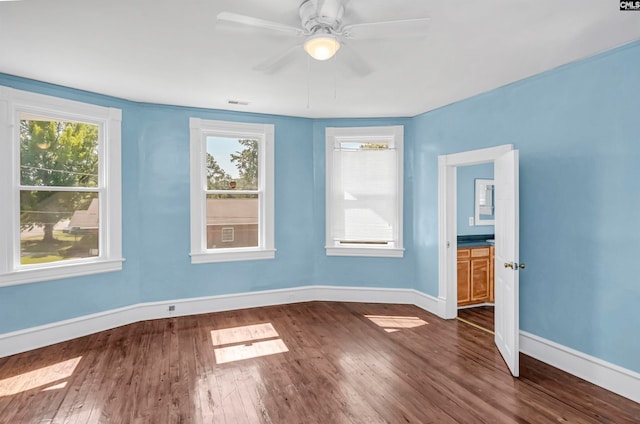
274 64
354 61
259 23
405 28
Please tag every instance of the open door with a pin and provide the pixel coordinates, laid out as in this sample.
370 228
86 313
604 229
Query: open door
507 320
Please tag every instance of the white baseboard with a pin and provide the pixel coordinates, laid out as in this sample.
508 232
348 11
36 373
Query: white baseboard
45 335
601 373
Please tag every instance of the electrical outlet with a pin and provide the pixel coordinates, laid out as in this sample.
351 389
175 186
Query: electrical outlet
172 308
470 221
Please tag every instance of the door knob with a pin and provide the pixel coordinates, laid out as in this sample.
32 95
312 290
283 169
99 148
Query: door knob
521 266
508 265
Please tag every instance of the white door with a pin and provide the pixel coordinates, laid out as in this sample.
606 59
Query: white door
507 325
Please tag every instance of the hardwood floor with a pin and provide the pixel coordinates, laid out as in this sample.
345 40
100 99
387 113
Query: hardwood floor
317 362
482 316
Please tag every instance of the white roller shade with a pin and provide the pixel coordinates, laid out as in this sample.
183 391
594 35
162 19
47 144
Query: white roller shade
364 195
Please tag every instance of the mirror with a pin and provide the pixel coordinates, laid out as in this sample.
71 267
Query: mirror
484 202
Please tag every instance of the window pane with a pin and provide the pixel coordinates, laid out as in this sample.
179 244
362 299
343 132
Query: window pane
58 226
58 153
235 214
363 145
232 164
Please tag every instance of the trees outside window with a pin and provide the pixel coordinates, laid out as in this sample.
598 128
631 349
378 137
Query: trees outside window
56 154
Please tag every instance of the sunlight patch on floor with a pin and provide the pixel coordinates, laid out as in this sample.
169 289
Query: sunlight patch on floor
391 324
246 342
248 351
243 334
38 378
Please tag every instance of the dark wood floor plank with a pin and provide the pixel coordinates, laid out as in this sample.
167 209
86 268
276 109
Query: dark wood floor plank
74 405
482 316
78 405
46 381
111 397
317 362
467 392
370 359
439 397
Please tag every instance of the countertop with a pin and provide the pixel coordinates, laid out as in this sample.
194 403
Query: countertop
475 241
475 244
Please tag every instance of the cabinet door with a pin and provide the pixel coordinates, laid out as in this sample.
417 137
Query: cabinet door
464 277
480 279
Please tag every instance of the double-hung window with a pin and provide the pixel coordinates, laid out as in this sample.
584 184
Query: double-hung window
364 185
60 184
231 191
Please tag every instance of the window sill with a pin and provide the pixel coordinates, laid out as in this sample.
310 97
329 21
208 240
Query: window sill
232 255
57 271
378 252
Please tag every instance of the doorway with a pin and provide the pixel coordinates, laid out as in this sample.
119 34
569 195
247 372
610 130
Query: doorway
447 218
475 249
505 160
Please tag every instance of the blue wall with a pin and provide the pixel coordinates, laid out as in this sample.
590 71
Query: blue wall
576 131
466 191
155 167
368 272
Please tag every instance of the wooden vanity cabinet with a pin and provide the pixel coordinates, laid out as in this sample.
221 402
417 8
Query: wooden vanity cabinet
475 275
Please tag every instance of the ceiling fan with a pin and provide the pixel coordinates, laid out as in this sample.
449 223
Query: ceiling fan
324 33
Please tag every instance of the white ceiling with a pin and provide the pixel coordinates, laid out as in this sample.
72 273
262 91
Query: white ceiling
174 51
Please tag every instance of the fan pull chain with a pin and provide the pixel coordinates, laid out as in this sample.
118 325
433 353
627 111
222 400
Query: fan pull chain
308 82
335 77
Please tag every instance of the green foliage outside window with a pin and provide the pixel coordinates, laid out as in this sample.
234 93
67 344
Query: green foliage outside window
245 160
55 154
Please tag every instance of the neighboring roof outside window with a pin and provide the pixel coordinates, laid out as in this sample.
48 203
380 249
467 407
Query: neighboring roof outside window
224 212
85 219
232 211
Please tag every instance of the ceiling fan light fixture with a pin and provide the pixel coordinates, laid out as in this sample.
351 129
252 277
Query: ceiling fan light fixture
322 46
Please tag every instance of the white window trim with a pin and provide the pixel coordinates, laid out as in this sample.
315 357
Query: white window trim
199 130
12 103
333 137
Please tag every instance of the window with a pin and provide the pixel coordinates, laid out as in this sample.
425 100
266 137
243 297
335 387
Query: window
60 172
231 191
364 183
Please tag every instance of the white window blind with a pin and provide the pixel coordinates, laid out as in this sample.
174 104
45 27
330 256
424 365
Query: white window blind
364 197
